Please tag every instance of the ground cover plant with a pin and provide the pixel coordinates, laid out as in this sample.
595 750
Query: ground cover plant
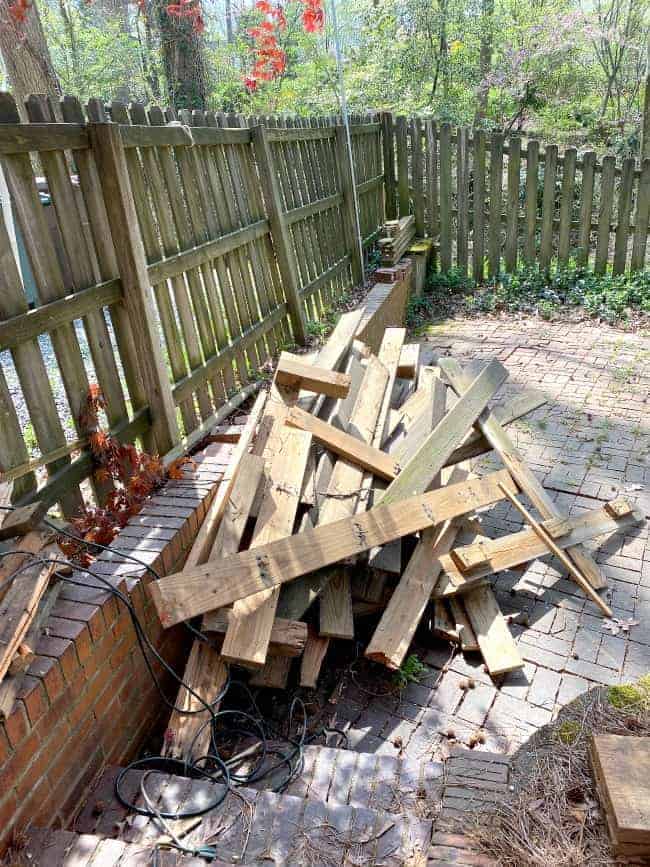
570 291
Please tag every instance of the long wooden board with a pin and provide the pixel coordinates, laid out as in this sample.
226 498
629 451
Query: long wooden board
292 371
288 637
208 529
345 445
430 458
497 645
500 441
183 595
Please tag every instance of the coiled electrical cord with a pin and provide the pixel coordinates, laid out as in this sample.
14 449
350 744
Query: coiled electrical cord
249 723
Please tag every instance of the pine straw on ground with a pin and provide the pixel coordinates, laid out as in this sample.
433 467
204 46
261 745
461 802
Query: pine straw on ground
554 816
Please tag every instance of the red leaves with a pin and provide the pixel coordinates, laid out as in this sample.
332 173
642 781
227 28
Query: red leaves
188 9
313 16
133 475
270 60
18 10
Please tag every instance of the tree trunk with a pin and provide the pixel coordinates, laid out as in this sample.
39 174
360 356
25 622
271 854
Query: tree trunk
183 60
26 56
645 127
485 56
229 28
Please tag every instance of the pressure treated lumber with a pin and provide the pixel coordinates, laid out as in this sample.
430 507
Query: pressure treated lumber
416 476
394 633
525 478
208 529
205 672
575 573
288 637
467 638
183 595
345 445
343 492
412 406
443 624
497 645
508 551
292 371
312 659
249 631
409 358
21 520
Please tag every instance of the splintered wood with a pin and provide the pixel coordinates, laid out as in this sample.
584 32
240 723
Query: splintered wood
305 541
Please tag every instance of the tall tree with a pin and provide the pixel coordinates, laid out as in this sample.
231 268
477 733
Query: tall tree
183 51
485 56
25 52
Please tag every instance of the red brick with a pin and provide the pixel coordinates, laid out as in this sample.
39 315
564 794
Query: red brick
36 809
61 649
83 785
84 704
75 631
5 746
49 671
70 756
32 693
17 725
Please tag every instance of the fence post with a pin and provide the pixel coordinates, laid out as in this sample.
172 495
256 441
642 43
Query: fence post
107 146
349 208
280 232
388 147
401 138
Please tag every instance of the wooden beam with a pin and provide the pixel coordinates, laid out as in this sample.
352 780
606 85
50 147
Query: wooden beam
502 444
497 645
468 642
312 659
288 637
571 568
345 445
249 631
486 556
409 359
205 537
421 470
183 595
292 371
21 520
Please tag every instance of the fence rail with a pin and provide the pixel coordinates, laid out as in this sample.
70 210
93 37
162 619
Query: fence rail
494 202
166 258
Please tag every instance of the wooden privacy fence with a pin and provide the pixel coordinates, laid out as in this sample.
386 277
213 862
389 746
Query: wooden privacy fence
177 256
494 202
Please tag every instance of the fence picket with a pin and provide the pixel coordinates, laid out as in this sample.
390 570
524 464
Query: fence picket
607 180
586 206
496 181
641 217
417 175
401 141
445 197
532 180
566 204
462 199
478 210
548 207
623 216
512 208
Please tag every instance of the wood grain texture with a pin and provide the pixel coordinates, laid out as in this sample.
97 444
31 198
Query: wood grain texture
183 595
502 444
426 463
497 645
294 372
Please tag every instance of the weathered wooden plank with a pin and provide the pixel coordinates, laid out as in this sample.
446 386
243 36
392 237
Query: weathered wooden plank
607 181
467 638
401 142
345 445
525 478
497 645
641 217
548 207
586 206
445 197
394 633
566 204
487 556
249 631
183 595
409 359
312 659
416 476
208 530
532 177
292 371
623 216
478 211
512 207
288 637
496 197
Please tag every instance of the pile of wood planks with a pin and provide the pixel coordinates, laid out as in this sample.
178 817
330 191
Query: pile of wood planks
350 496
26 597
397 237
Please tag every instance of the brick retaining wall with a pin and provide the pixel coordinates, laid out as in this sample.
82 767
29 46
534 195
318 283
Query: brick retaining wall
89 700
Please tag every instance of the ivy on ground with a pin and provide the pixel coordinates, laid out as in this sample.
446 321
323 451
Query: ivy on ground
618 299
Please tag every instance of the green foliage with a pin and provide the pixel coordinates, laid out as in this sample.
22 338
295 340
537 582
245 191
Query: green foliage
609 297
631 695
411 671
569 732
